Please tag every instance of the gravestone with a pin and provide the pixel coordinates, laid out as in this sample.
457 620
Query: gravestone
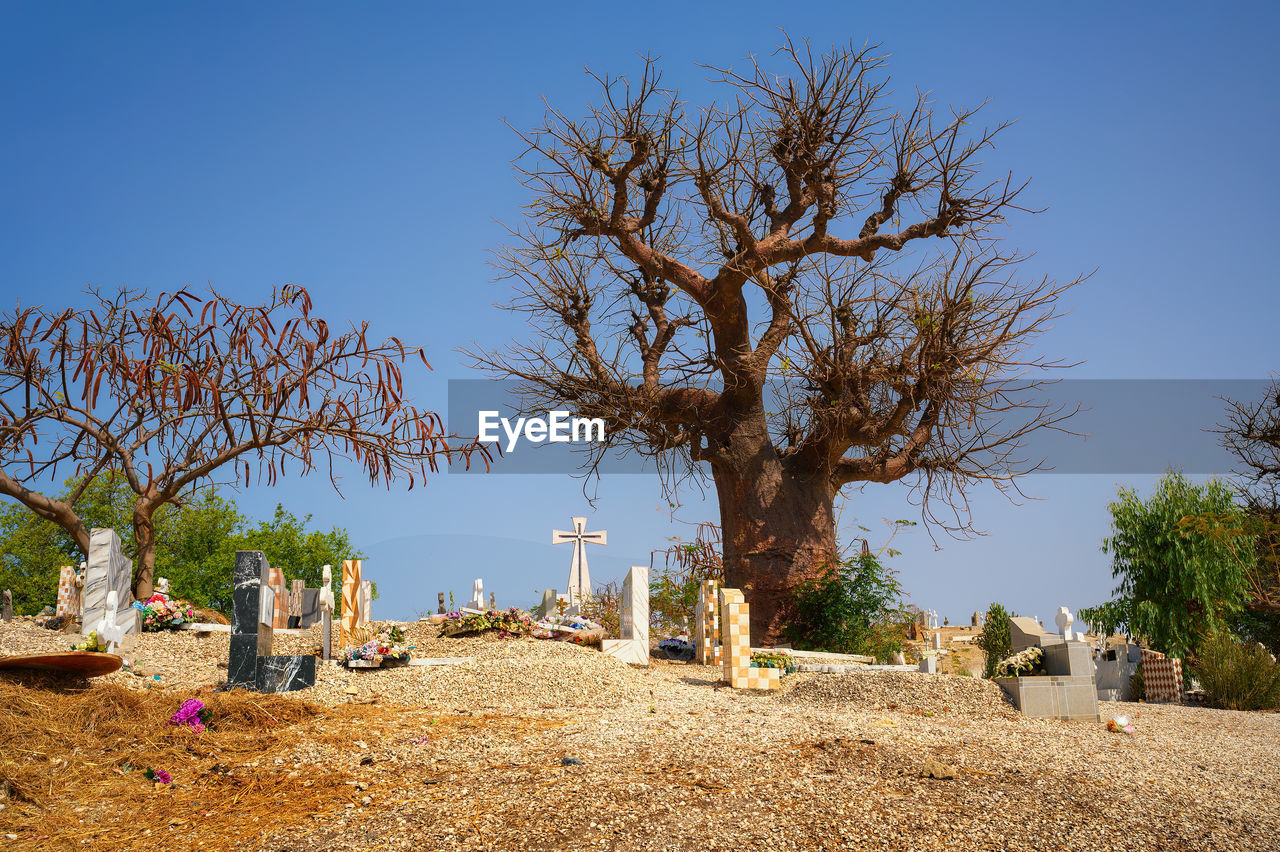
633 612
110 635
6 606
493 601
326 611
707 624
310 608
976 620
68 593
935 642
441 610
929 664
280 614
350 600
477 595
108 570
366 603
579 577
253 615
548 603
735 624
1064 619
295 603
162 587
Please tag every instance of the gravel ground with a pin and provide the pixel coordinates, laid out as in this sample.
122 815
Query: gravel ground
470 757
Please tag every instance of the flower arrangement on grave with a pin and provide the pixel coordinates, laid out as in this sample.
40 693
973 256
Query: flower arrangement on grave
1023 663
677 648
160 613
780 660
570 628
386 644
508 622
192 714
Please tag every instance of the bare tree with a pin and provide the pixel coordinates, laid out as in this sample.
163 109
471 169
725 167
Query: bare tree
176 391
1252 434
728 288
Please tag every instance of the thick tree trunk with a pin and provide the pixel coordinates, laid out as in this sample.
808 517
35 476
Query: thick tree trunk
144 535
778 528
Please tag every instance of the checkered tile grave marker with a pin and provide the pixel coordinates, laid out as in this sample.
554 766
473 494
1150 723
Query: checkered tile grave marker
735 622
707 625
1161 677
68 593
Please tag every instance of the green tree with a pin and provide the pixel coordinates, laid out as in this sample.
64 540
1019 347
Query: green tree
996 640
852 607
1175 590
196 541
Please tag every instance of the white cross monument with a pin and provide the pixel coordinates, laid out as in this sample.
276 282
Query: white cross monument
579 578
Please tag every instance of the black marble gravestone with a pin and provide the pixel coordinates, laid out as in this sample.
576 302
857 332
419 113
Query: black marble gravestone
251 664
310 607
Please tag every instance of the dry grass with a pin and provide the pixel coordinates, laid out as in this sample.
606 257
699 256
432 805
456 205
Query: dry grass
73 758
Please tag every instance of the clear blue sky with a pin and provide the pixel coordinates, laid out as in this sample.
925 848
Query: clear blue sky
360 150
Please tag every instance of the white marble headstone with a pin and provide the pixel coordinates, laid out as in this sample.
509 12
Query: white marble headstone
1064 619
477 595
633 611
108 570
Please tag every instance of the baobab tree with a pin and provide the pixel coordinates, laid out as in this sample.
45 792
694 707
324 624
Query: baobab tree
176 392
793 290
1252 434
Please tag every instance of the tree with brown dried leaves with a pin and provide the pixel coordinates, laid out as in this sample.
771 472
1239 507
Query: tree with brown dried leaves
731 288
175 391
1252 434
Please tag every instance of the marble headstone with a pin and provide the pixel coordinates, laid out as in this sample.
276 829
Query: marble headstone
350 598
109 633
366 603
477 595
326 604
254 610
633 611
548 603
310 606
108 570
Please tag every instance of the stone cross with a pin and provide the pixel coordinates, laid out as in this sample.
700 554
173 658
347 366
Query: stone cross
579 577
6 608
109 633
1064 619
735 622
350 599
707 625
326 611
253 615
68 593
441 611
108 570
633 612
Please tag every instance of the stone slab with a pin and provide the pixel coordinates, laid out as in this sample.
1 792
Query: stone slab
285 674
440 661
1053 697
631 651
816 655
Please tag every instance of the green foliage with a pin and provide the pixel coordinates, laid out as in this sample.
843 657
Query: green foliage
852 607
780 660
1175 589
1107 619
996 640
673 588
1237 677
195 544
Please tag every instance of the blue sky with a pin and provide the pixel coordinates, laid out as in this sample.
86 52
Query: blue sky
360 150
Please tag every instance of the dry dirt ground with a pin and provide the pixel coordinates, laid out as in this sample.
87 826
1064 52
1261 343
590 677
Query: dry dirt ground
474 757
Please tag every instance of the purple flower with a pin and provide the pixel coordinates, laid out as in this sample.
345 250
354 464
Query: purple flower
159 776
189 714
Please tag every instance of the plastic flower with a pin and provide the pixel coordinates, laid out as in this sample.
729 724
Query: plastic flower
158 775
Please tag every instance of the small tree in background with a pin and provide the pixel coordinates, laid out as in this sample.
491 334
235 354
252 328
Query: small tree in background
1176 590
996 640
853 607
1238 677
177 392
673 589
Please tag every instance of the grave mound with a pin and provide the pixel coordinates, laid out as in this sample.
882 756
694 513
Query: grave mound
927 693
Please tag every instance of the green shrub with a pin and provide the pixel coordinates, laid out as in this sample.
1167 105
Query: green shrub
996 640
1237 677
852 607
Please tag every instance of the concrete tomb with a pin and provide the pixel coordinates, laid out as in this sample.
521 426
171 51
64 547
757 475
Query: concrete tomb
633 611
